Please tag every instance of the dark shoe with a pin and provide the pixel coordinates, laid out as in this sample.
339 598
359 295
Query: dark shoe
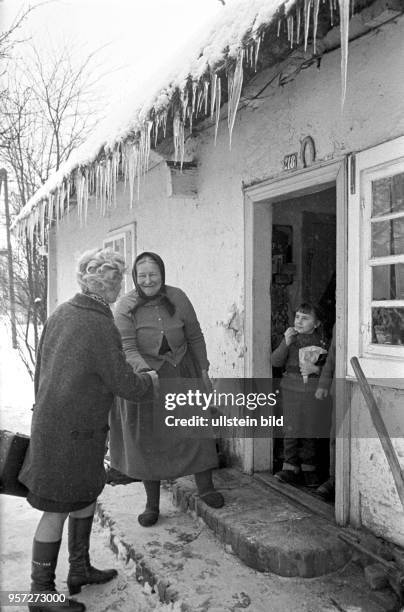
148 518
311 479
44 560
214 499
327 490
289 477
81 571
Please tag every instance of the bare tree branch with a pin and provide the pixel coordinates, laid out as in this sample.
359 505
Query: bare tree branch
44 116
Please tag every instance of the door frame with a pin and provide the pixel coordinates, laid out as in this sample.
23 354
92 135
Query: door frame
258 200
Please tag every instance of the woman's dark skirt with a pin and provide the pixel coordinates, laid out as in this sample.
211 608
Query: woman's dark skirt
50 505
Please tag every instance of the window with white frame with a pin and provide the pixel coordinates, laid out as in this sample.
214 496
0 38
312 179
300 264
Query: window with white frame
122 240
376 238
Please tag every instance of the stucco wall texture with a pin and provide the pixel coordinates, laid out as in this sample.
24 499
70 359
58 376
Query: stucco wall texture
202 239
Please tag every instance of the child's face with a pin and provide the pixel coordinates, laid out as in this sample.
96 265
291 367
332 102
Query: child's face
305 323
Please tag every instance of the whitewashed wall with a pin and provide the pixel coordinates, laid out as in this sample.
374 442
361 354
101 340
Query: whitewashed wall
202 240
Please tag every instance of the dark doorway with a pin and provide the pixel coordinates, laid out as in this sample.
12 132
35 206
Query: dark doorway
303 270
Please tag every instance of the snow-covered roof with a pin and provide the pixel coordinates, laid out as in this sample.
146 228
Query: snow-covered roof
194 81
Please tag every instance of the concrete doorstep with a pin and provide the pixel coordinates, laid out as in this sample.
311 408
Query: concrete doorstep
207 560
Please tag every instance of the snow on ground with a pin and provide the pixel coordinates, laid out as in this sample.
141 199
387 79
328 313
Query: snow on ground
124 594
16 387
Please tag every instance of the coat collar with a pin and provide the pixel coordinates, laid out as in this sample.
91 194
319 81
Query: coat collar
81 300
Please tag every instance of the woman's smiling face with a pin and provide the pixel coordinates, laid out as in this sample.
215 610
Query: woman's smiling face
148 277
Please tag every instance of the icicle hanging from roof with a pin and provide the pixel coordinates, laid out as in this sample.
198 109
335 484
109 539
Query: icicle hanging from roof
92 179
98 186
200 100
298 23
331 2
218 101
306 15
85 193
184 96
42 222
49 210
145 147
235 83
79 195
344 32
179 138
213 94
315 23
115 169
134 168
206 96
290 30
193 105
248 54
257 48
68 189
61 196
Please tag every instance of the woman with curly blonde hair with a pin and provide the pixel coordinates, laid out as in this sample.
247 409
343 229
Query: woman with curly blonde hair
80 368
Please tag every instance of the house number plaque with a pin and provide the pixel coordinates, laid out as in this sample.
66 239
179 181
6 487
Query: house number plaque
290 161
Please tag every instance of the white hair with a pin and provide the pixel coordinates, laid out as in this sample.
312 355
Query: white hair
93 265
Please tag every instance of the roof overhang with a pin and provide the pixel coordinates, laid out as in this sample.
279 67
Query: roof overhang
248 38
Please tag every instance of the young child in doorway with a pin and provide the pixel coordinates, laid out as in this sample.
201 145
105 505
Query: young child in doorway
303 414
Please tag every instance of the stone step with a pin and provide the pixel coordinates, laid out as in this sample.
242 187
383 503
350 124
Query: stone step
266 530
191 570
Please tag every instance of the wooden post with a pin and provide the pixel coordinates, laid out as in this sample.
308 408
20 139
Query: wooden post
380 428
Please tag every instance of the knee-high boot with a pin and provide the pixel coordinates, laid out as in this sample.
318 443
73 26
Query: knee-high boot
81 571
44 561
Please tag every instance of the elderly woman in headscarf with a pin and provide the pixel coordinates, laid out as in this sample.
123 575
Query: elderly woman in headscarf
80 368
160 331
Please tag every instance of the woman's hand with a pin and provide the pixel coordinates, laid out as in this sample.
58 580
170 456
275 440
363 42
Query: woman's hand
309 368
290 334
321 393
156 384
207 382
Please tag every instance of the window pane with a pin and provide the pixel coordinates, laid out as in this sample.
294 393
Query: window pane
119 246
108 245
388 237
388 195
388 282
388 326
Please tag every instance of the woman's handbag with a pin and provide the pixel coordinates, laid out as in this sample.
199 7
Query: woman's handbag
13 448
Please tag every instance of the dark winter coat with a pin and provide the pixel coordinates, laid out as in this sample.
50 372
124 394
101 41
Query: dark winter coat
80 367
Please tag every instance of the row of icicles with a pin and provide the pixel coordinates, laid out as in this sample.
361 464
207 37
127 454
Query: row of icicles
100 177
